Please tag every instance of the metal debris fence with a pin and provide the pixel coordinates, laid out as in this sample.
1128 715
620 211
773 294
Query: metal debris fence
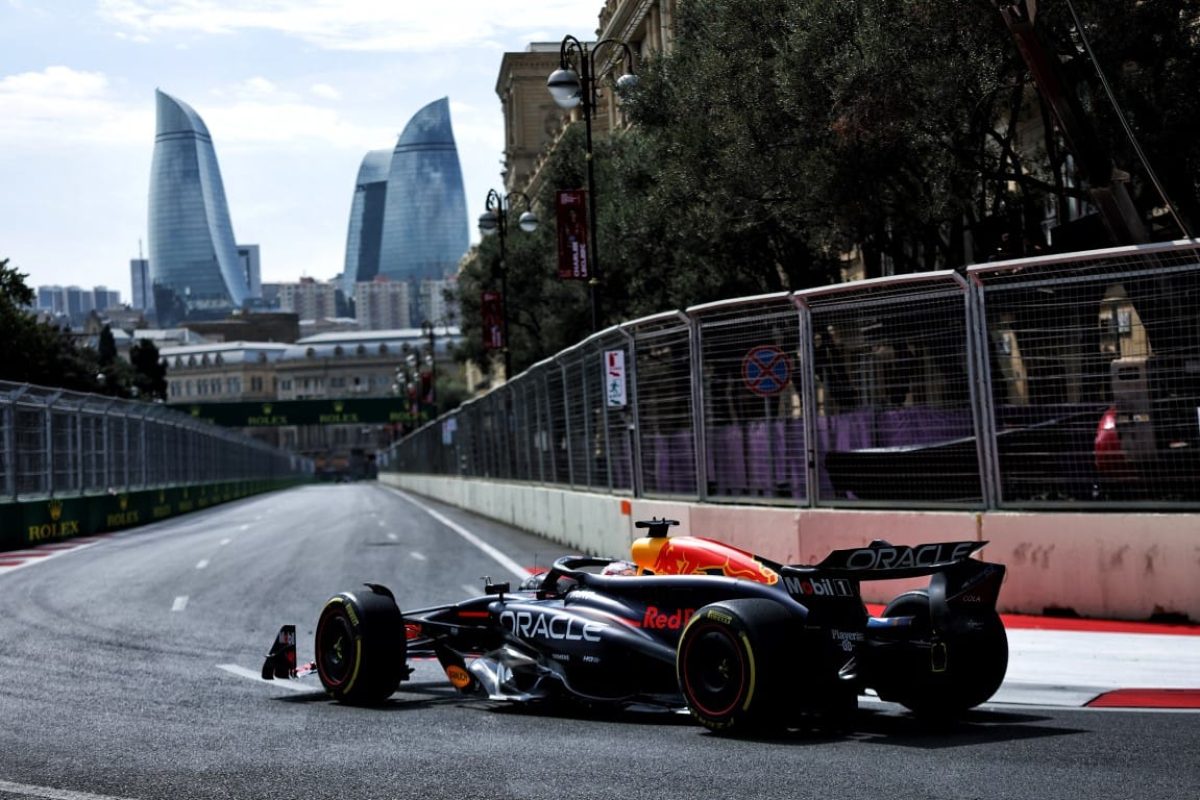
1070 381
59 443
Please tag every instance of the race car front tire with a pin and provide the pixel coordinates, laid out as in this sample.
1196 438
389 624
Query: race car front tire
361 646
730 664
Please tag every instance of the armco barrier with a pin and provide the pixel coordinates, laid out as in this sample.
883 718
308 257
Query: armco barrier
1114 566
35 522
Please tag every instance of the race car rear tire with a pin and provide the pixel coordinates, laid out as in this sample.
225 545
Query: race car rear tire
730 664
361 646
976 662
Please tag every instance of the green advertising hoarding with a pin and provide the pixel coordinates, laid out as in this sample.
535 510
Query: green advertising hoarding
275 413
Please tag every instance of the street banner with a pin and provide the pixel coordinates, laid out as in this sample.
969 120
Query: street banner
491 306
614 378
571 213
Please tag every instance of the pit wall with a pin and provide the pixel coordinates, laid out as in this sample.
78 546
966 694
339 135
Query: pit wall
1109 566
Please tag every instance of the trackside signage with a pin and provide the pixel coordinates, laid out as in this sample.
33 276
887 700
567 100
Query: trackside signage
34 522
342 411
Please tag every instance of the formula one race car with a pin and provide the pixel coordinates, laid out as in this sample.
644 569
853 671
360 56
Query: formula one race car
744 643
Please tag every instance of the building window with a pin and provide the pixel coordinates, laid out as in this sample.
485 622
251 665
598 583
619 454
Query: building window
256 383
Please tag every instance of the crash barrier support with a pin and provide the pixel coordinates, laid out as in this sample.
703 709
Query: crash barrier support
68 457
1066 382
1131 565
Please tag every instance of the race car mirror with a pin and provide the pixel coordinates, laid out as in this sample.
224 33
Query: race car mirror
496 588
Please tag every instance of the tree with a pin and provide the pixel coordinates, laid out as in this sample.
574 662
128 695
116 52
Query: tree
40 353
150 373
779 135
106 347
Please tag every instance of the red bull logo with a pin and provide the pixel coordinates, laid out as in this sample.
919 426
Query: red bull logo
689 555
664 621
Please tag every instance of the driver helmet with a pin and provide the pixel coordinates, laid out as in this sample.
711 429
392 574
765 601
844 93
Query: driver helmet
619 568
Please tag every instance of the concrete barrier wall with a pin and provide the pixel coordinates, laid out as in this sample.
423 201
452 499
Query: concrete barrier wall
1115 566
29 523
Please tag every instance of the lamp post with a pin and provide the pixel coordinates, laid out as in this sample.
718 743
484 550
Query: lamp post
494 219
427 329
571 87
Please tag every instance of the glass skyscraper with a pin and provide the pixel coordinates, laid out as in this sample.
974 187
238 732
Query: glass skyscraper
194 264
425 212
366 220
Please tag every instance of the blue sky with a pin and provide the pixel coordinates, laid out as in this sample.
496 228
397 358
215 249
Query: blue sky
294 92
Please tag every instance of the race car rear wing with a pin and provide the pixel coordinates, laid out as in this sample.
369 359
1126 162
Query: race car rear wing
883 561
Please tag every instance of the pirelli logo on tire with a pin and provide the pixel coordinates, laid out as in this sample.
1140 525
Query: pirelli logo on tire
718 616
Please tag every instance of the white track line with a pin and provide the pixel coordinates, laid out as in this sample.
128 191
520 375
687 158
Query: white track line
242 672
25 790
473 591
503 560
180 603
417 556
202 563
393 537
224 542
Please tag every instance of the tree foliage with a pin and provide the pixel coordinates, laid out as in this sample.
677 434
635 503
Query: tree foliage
43 354
778 135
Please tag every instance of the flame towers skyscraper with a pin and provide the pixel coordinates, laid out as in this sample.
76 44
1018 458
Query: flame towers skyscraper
366 220
425 213
194 263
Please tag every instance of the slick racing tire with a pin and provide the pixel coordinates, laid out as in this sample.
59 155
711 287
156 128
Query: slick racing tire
975 662
730 664
361 646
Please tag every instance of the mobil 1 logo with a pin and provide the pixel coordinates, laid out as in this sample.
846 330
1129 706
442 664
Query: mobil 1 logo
818 587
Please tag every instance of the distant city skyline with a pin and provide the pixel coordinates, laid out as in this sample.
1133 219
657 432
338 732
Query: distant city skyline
293 99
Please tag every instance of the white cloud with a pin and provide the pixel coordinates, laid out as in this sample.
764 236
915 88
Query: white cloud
61 106
325 91
385 25
258 85
247 123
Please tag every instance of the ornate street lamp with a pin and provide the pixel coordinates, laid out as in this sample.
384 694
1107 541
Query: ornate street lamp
494 219
574 84
427 329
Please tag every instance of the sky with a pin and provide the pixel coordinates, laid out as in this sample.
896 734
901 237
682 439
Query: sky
294 93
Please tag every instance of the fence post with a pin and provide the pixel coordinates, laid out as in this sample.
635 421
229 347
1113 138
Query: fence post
586 395
634 426
562 370
10 444
982 406
808 401
608 453
699 415
543 423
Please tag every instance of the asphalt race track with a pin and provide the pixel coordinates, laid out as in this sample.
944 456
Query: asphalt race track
128 670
